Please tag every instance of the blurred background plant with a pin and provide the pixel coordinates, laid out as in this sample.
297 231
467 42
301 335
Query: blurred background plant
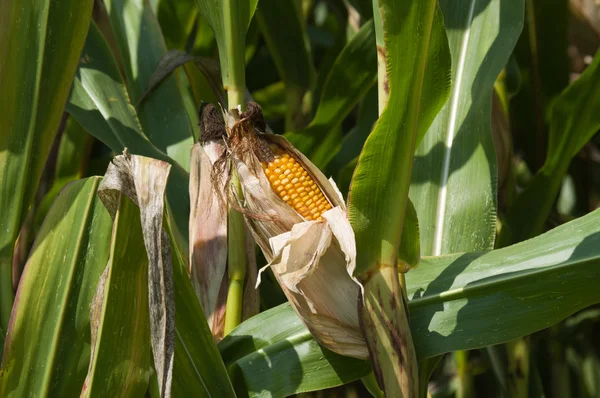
513 153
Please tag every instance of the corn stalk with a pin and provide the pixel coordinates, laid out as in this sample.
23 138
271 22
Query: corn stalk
409 99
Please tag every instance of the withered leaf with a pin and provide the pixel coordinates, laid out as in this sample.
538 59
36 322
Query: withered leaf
143 180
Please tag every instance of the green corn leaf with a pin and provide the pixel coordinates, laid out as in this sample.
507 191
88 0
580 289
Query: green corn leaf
48 344
574 120
454 176
73 152
100 103
466 301
457 302
141 46
198 368
418 81
121 360
409 98
252 352
349 79
40 46
283 28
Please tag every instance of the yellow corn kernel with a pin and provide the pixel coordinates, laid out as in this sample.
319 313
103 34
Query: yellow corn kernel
301 192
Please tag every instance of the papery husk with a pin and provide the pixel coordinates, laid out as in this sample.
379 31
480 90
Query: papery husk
209 241
208 237
312 260
210 221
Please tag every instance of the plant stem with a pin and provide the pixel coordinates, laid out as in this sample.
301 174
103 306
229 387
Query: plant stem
235 39
236 262
234 80
518 367
385 324
464 388
233 309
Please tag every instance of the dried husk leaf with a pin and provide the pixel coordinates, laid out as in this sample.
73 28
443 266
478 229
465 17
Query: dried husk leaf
208 236
312 260
209 240
144 180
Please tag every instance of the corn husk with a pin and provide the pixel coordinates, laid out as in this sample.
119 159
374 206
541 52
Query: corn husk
312 260
208 233
208 238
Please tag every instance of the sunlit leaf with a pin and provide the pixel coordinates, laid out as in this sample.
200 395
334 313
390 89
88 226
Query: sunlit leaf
39 48
121 359
418 77
48 343
454 177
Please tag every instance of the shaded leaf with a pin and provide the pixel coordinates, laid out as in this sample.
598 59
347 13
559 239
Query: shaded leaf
350 77
283 28
166 65
177 19
541 59
252 352
71 160
574 120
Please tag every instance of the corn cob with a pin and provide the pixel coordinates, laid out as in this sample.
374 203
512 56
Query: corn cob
312 261
294 185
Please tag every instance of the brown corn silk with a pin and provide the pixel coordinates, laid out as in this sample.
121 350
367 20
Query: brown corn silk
312 254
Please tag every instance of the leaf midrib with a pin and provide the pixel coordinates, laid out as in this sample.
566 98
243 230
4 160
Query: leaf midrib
496 281
438 231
